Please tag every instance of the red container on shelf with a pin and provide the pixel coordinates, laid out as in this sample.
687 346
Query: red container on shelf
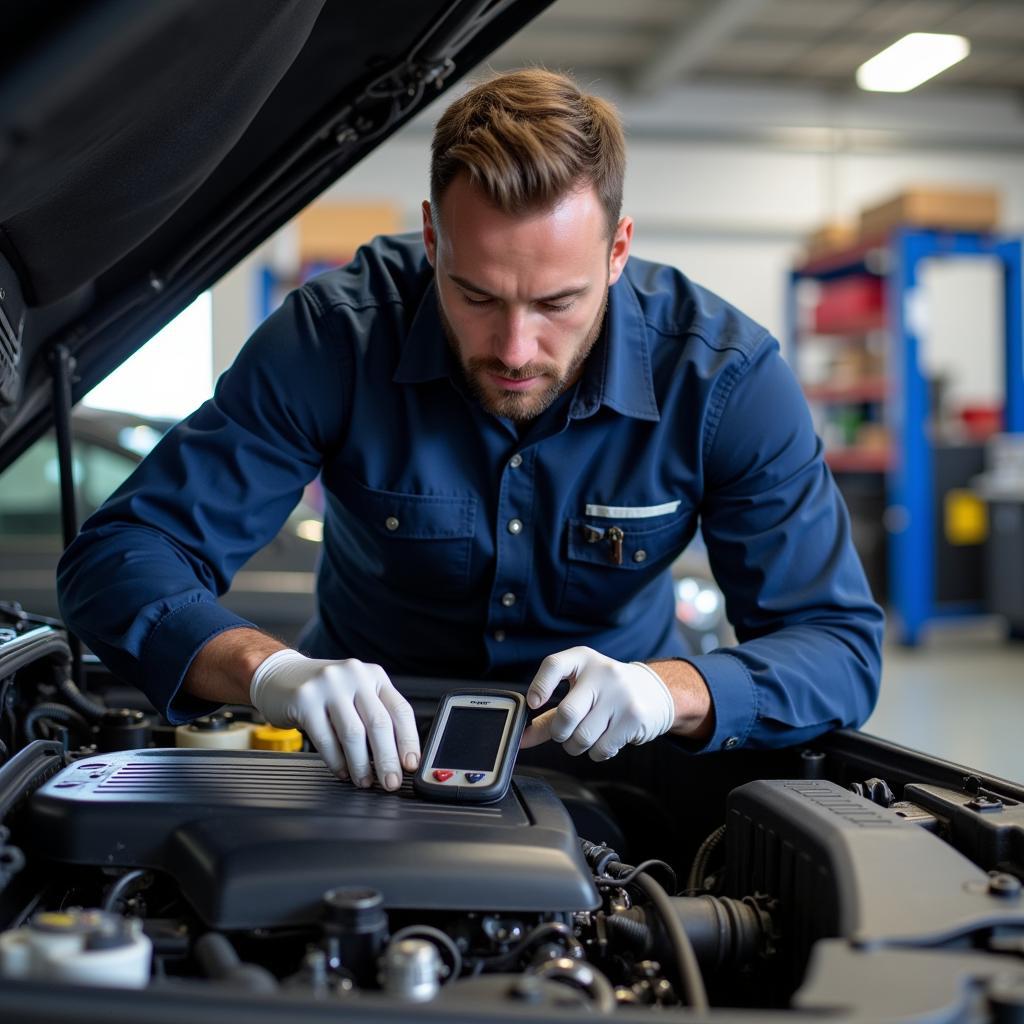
982 421
850 305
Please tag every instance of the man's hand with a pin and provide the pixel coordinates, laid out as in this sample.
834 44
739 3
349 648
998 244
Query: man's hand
342 706
610 704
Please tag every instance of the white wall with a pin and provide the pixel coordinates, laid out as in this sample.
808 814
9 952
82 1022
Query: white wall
170 375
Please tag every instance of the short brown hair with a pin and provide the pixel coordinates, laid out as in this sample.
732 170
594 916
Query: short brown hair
528 137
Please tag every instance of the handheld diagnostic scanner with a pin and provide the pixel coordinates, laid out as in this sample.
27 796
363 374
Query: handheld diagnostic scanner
472 746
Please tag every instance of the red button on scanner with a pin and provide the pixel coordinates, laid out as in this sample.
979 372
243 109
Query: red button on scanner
442 774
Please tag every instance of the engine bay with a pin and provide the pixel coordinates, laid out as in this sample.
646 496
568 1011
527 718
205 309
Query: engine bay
856 878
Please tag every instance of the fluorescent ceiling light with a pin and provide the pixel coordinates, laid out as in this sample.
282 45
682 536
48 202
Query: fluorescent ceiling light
910 61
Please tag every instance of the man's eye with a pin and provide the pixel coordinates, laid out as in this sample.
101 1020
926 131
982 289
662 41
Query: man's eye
477 302
555 307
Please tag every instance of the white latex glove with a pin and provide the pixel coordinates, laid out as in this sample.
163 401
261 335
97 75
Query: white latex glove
342 706
609 704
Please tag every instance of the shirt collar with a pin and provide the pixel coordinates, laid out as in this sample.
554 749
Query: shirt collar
617 373
425 352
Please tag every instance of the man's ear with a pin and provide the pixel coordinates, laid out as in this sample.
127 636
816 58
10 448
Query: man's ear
619 252
429 234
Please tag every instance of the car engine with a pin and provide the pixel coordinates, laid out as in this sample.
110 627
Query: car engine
155 868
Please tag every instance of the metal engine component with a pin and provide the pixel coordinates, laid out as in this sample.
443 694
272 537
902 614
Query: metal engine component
411 970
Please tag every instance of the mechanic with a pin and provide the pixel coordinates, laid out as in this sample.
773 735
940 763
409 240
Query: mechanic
518 429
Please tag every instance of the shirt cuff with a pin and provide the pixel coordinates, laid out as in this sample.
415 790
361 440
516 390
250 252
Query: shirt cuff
170 649
733 697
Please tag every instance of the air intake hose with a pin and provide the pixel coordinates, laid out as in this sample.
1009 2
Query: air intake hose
55 713
84 705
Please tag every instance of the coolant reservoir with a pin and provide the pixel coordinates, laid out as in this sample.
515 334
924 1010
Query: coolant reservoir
85 947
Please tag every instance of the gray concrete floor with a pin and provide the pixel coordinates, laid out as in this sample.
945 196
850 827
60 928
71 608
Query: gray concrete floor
959 696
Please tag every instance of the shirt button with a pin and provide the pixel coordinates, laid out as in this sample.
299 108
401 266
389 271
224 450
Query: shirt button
508 600
515 526
391 523
499 635
516 461
640 555
730 742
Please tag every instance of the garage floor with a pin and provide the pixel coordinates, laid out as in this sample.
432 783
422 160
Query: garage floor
959 696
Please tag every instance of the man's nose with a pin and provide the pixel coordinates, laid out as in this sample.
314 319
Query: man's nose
515 344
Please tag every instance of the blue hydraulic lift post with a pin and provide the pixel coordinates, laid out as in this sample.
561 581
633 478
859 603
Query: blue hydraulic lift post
1012 254
909 513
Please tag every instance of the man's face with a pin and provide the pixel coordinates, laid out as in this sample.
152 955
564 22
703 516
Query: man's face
522 298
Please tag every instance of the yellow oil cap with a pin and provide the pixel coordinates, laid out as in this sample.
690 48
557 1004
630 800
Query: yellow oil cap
269 737
55 920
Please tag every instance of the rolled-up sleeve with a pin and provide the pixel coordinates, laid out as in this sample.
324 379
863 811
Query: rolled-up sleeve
139 585
778 539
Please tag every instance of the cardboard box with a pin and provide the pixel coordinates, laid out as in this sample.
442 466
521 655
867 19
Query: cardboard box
956 209
331 232
833 236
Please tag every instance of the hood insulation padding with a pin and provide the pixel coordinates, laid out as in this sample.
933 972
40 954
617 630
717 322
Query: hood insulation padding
127 132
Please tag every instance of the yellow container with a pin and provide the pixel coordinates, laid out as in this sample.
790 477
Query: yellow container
268 737
966 518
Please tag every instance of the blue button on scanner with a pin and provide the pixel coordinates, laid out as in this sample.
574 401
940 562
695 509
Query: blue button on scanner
474 776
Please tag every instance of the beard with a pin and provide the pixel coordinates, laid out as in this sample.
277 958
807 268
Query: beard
512 405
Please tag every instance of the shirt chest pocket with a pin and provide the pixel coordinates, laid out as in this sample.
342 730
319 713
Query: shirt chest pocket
610 559
417 543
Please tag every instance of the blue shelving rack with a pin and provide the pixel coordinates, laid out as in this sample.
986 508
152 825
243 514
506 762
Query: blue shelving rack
271 288
912 514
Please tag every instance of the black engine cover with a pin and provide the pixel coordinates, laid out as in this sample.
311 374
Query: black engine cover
255 838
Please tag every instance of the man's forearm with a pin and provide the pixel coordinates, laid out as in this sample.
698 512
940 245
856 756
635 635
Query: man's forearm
694 711
223 668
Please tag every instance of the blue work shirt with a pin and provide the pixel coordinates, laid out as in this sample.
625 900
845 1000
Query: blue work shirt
459 544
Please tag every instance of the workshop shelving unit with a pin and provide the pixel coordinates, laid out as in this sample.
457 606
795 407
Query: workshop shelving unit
272 287
898 396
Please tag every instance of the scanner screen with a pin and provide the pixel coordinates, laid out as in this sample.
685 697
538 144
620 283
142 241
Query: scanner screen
471 739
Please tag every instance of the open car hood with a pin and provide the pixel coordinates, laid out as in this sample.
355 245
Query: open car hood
146 148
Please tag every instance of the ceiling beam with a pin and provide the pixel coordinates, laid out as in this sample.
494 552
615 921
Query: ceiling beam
690 44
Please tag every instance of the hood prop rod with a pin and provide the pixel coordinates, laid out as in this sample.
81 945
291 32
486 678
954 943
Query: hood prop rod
62 365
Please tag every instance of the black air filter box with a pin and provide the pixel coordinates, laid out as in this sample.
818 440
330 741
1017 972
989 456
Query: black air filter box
842 866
